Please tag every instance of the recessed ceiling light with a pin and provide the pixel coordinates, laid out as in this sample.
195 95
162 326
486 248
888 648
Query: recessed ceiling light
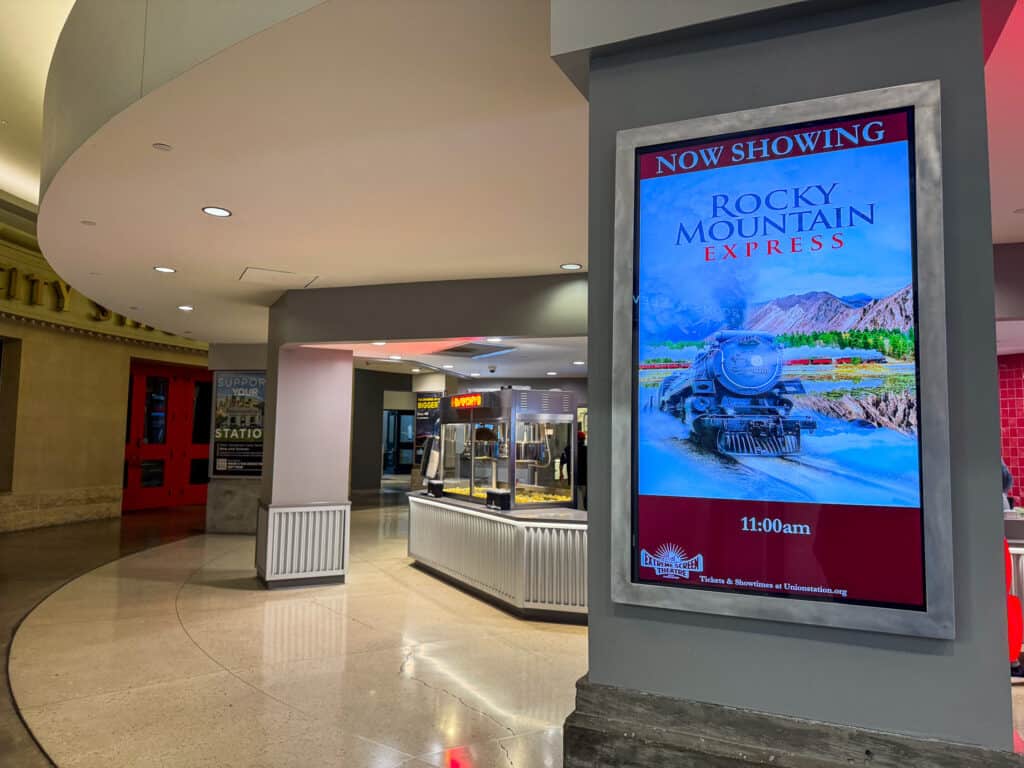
494 339
379 343
571 267
162 147
474 375
216 211
579 362
165 270
88 223
394 357
552 373
415 370
447 367
186 307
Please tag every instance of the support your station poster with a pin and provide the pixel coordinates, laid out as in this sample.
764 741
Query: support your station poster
238 423
777 445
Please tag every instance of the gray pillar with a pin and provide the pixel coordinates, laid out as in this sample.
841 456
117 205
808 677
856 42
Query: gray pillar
953 691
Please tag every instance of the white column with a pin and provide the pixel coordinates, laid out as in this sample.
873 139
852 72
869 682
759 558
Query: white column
302 531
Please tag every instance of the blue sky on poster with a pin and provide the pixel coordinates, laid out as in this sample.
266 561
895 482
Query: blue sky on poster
875 260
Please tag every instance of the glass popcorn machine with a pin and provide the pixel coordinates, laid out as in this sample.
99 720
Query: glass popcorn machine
510 448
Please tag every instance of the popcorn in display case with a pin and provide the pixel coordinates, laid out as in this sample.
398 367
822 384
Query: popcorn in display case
510 448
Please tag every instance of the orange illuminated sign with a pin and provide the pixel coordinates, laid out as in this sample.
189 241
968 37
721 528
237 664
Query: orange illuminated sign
467 401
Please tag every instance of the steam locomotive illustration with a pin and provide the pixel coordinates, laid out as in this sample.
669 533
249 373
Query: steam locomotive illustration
735 397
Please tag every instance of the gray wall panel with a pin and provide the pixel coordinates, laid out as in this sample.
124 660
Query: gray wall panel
550 305
908 685
1009 267
367 428
237 357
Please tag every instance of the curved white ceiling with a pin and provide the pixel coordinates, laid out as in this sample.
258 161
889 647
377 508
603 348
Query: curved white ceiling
357 143
27 36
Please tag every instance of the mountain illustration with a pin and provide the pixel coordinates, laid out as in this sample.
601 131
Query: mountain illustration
857 299
895 311
824 311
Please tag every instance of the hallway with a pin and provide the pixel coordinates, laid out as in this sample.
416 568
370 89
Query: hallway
392 668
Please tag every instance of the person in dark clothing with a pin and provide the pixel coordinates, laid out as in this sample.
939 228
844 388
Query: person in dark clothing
1007 487
580 475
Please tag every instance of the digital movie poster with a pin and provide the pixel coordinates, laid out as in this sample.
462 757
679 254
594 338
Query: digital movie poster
777 449
239 399
428 409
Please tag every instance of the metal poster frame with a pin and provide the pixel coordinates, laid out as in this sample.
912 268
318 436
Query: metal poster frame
937 619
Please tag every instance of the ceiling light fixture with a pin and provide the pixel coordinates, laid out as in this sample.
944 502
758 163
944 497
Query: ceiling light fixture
378 343
475 375
186 307
494 339
216 211
447 367
415 370
571 267
165 270
579 362
552 373
394 357
162 147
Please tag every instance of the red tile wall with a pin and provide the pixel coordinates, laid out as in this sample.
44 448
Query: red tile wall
1011 417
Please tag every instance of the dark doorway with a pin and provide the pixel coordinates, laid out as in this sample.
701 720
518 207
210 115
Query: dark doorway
398 441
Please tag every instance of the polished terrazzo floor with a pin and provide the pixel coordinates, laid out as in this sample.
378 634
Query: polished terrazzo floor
36 562
176 657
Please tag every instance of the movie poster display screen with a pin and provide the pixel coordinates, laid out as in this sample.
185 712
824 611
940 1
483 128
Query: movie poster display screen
239 401
776 390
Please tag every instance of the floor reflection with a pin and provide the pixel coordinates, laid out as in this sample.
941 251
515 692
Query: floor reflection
392 668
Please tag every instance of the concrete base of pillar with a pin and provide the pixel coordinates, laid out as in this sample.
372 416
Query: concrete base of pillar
320 581
232 504
628 729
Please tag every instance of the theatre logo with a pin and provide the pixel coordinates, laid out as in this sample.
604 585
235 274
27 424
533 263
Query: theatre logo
671 562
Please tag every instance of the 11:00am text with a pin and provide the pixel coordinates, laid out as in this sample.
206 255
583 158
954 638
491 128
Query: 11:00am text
774 525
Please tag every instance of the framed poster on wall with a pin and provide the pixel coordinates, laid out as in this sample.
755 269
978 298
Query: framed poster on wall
239 401
780 367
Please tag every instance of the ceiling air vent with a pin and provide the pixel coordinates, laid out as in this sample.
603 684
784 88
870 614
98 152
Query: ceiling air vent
277 278
475 350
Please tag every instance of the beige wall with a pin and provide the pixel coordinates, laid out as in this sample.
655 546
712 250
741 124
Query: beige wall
70 423
399 401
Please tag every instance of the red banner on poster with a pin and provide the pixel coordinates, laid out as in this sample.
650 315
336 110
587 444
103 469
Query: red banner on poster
852 554
849 133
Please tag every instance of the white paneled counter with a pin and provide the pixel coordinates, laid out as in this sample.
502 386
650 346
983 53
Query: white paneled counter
534 562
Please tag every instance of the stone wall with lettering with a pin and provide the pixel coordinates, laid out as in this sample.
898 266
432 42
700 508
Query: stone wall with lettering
29 288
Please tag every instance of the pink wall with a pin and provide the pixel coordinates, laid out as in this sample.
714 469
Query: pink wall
312 428
1011 417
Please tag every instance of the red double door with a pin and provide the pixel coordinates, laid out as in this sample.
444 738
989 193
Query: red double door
167 441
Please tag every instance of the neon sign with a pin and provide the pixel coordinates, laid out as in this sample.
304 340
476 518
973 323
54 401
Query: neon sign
467 401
